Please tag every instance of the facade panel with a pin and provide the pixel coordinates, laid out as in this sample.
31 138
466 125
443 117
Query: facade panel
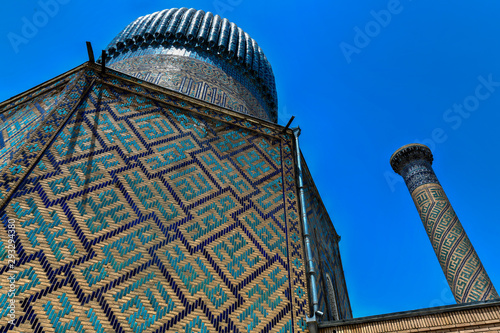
149 212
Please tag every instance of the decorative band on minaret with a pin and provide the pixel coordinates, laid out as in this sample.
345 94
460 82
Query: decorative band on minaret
464 271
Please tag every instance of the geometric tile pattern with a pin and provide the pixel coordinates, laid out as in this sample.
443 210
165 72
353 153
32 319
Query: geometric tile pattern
23 159
19 120
201 77
464 271
143 212
461 266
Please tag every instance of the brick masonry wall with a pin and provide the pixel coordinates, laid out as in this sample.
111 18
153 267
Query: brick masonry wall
21 118
198 79
139 210
328 265
470 318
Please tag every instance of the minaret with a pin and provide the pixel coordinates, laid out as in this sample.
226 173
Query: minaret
464 271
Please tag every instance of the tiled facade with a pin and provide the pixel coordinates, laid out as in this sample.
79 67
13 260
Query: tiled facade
200 77
20 119
161 197
158 195
464 271
139 211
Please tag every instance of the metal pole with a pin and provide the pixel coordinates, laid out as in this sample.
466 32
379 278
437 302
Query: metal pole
312 320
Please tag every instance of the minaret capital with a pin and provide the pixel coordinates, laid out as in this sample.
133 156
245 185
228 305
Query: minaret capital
410 153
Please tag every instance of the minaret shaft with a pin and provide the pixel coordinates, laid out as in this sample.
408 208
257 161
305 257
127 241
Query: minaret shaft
464 271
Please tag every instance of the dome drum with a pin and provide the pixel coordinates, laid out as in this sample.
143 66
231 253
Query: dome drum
203 32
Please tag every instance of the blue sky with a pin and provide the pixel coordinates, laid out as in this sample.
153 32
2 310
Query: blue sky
419 71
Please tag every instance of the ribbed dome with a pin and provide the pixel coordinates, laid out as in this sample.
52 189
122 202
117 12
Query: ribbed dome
203 31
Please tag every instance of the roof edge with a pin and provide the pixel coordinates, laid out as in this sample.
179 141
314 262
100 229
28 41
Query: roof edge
412 313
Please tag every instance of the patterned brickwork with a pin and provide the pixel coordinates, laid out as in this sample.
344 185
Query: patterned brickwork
24 160
419 173
196 76
7 107
20 119
464 272
144 212
333 299
478 317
